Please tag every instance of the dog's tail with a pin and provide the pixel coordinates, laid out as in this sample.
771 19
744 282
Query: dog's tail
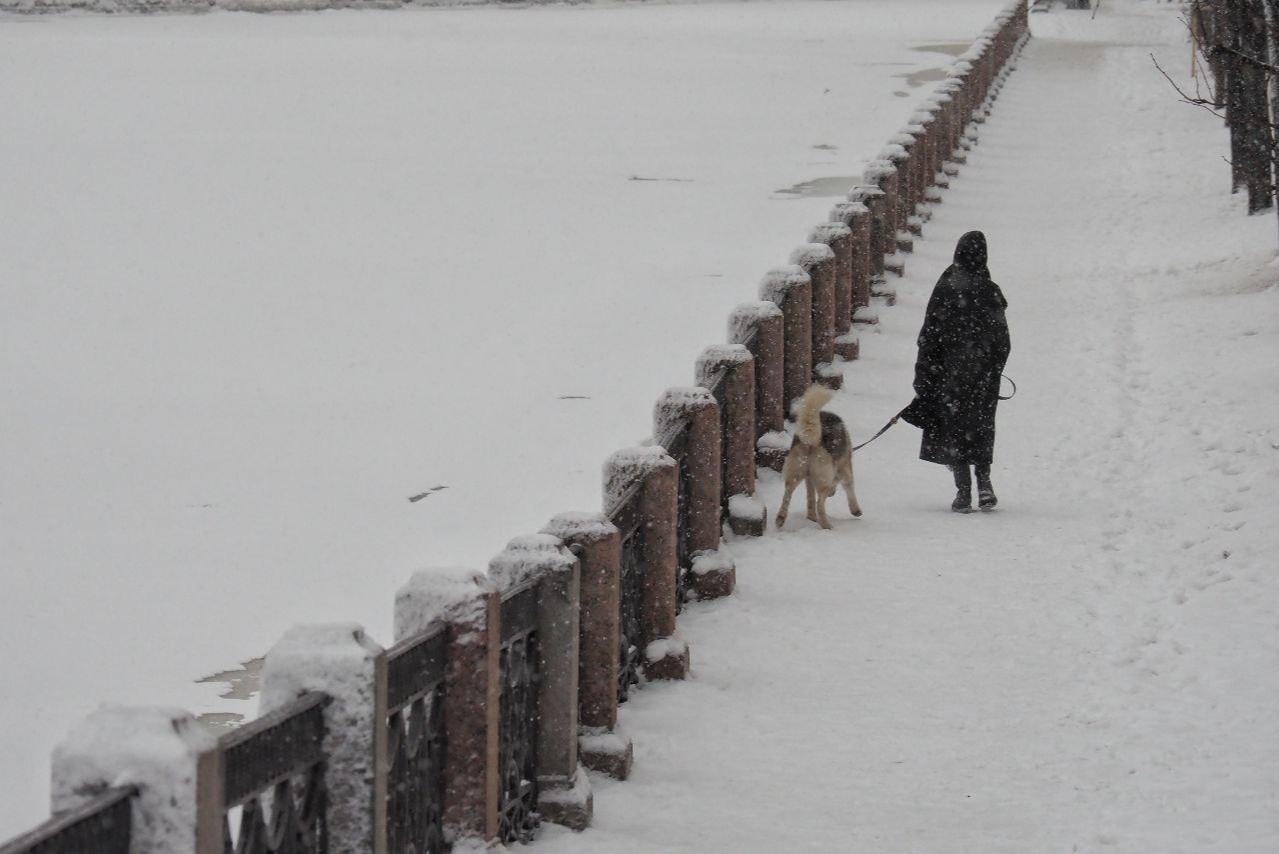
808 421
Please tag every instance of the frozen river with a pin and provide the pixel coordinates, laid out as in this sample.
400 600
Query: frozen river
265 278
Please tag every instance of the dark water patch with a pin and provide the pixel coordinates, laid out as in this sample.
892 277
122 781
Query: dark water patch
948 48
927 75
220 722
672 180
242 683
824 147
837 185
413 499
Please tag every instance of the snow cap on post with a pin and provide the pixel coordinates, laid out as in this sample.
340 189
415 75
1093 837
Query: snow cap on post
156 750
905 139
440 595
863 193
579 526
844 213
627 467
676 405
779 281
893 153
829 232
715 357
811 254
878 170
529 557
746 316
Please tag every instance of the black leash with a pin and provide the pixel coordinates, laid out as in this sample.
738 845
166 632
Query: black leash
1014 385
893 420
882 431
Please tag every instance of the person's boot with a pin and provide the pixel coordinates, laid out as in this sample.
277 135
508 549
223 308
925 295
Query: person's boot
963 502
986 499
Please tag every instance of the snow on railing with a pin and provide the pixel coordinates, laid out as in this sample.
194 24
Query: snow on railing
475 725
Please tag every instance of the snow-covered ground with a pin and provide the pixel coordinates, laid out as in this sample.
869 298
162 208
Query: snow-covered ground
263 278
1095 666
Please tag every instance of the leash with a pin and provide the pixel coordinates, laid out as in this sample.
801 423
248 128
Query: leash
882 431
1013 384
894 419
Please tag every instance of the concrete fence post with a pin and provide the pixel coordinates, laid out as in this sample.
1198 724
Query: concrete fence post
665 652
712 571
470 606
759 326
791 290
909 169
818 261
858 216
564 790
746 515
943 99
839 237
923 126
601 745
902 205
341 661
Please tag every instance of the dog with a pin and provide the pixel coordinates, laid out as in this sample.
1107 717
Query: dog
821 455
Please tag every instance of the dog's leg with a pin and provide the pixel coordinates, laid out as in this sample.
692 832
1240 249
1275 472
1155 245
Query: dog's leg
811 494
785 505
821 513
846 478
788 473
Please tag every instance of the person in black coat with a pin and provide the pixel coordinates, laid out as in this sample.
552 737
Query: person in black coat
963 346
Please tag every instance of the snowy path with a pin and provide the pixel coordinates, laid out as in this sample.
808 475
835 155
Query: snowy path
1094 667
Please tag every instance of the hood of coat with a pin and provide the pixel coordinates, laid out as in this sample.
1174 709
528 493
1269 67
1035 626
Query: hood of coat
970 254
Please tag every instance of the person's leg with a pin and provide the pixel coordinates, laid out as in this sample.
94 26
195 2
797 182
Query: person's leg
985 492
963 502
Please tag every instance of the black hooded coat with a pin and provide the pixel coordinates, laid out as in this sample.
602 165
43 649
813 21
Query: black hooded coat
963 346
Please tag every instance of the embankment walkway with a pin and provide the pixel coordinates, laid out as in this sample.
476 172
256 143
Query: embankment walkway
1091 667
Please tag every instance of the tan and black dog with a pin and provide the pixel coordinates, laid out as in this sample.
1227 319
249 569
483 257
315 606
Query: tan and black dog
821 455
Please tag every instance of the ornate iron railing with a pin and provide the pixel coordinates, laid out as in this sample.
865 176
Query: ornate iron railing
102 826
415 744
520 672
273 772
627 519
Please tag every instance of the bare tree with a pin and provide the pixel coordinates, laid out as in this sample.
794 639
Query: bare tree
1237 42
